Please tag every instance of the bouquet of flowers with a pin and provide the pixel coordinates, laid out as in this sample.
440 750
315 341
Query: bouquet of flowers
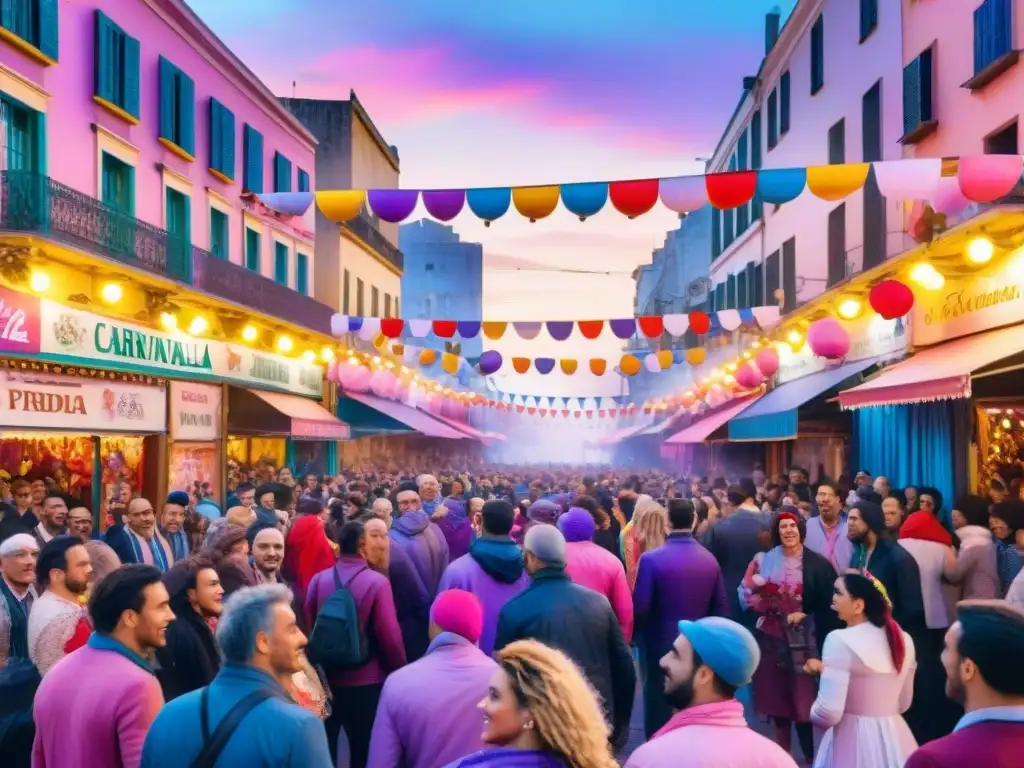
775 601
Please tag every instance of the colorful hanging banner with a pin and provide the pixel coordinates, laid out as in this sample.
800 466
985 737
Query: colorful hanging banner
977 179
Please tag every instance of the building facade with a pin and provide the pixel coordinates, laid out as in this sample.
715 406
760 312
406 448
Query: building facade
360 270
443 278
828 91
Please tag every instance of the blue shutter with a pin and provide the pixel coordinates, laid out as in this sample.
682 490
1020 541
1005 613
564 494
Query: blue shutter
302 273
303 181
187 114
911 96
253 160
784 89
104 60
48 34
227 145
215 135
166 99
131 76
281 263
282 173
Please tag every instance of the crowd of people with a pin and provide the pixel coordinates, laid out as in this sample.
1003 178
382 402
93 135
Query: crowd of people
504 616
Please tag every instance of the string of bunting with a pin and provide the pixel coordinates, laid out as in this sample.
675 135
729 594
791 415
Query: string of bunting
948 183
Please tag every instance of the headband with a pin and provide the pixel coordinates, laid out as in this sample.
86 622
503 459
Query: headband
880 587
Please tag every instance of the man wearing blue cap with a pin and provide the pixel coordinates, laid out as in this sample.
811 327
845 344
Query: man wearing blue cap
712 658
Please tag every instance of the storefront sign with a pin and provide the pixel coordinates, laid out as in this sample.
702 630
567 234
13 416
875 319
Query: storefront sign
89 339
56 403
19 323
195 411
870 336
970 304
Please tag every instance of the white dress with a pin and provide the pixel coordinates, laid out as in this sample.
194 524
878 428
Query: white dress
861 700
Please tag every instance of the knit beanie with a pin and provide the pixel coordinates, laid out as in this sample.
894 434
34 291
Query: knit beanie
180 498
459 612
577 525
543 511
872 515
546 543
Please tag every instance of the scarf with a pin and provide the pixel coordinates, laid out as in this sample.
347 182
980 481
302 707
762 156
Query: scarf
924 526
18 611
727 714
157 550
973 536
179 544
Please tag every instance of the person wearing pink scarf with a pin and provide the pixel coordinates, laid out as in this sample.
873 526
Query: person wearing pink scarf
712 658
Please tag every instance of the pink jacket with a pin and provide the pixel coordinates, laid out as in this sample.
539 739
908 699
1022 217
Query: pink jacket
711 734
591 565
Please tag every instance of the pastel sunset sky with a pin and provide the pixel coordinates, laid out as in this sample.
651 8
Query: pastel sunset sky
527 92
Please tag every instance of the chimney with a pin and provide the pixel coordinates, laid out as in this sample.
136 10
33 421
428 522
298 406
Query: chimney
749 82
772 21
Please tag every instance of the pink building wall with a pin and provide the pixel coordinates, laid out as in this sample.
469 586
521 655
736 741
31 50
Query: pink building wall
166 28
964 118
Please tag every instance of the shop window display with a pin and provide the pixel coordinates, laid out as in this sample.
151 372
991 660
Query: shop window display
60 461
254 459
193 469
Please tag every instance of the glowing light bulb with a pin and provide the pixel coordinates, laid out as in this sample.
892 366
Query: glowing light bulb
980 250
198 326
285 344
309 355
327 354
249 333
168 321
112 293
849 309
39 282
794 337
1006 424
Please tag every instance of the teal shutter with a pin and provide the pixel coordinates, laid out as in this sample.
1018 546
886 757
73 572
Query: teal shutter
104 58
252 250
227 145
302 273
187 114
282 173
281 263
215 134
131 76
303 181
253 180
48 34
166 99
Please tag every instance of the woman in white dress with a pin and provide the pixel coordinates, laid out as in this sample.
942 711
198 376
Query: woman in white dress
867 681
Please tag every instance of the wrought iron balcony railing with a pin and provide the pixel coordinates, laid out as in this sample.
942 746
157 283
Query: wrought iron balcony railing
37 204
364 229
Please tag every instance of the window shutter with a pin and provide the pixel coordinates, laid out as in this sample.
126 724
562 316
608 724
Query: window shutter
837 245
281 263
104 59
303 181
253 160
131 76
187 115
926 101
49 42
216 135
773 119
837 143
772 279
784 90
755 141
716 233
730 291
302 275
817 55
874 223
741 290
282 173
789 273
911 96
227 139
758 282
166 99
871 124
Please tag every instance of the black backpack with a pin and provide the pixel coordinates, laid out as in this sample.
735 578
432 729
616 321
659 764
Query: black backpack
338 641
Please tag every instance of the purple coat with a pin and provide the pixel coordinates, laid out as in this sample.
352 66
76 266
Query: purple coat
493 571
401 733
456 529
680 580
425 545
507 757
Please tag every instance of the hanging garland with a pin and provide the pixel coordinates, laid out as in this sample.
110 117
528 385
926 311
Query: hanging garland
949 183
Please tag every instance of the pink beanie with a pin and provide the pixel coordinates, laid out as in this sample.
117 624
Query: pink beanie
459 612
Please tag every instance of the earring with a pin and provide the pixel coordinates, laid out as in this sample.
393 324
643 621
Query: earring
528 726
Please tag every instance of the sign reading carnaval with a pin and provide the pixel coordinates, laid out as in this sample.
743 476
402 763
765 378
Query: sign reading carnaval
870 336
34 401
974 303
87 339
195 411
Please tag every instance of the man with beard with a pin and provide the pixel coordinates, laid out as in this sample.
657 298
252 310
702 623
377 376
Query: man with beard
53 515
97 704
138 540
711 659
984 662
172 524
190 658
267 555
64 571
80 523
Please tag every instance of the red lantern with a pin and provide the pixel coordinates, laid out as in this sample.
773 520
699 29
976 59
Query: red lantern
828 339
891 299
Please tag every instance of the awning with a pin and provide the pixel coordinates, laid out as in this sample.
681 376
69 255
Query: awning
467 429
699 431
776 417
665 424
253 411
415 419
616 437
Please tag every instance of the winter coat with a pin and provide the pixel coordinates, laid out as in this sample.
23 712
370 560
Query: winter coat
425 545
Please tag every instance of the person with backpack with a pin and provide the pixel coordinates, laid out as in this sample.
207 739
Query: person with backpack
245 717
355 636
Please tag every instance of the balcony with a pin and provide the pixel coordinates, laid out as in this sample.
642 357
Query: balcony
364 229
39 205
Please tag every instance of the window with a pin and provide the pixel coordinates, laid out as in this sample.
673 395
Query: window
222 141
345 290
871 123
868 18
281 263
772 277
918 106
177 105
1004 142
398 311
837 245
252 250
117 67
773 120
374 302
34 21
755 141
218 233
874 204
302 181
359 297
118 184
742 301
179 232
758 283
720 297
730 292
428 268
743 212
26 137
993 31
789 274
302 273
387 305
818 55
837 143
282 173
252 147
716 233
784 89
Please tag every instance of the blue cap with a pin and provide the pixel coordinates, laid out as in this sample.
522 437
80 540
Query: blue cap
178 497
727 648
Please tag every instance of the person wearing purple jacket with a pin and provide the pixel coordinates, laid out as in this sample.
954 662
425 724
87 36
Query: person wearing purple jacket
420 538
356 691
457 530
679 581
401 734
493 570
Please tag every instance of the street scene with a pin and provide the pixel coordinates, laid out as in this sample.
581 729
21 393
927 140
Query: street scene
544 385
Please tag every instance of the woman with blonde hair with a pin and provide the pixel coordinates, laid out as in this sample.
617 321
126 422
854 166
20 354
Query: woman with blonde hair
648 531
540 712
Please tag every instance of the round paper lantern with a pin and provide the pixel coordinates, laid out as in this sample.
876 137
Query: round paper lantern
347 372
490 362
450 363
332 371
665 359
695 355
360 380
629 365
828 339
891 299
700 323
687 399
427 356
381 383
748 376
767 362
